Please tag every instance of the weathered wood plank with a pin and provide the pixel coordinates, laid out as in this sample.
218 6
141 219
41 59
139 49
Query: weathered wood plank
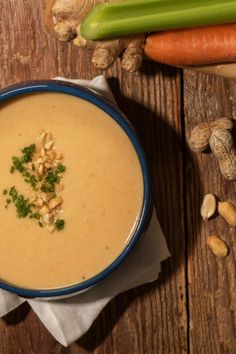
212 281
151 319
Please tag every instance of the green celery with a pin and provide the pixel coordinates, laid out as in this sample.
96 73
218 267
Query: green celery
110 20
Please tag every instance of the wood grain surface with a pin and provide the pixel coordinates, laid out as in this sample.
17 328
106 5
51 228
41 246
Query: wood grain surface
211 280
191 308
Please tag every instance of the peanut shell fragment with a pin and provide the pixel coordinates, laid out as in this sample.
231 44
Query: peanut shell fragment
218 246
49 145
44 210
55 202
208 207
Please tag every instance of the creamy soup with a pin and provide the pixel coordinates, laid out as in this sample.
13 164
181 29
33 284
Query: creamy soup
102 192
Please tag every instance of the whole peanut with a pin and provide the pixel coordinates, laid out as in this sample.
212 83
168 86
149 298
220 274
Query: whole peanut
222 146
200 135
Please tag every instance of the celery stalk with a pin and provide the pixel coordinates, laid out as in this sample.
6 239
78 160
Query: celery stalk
138 16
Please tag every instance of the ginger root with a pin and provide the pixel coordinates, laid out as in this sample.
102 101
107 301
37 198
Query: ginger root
63 19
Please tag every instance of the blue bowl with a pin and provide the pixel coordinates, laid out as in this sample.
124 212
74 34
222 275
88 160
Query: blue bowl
108 107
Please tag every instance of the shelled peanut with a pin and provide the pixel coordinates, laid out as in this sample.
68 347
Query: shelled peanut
228 211
225 209
218 246
208 207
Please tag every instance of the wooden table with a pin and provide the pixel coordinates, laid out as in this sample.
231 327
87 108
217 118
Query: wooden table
192 307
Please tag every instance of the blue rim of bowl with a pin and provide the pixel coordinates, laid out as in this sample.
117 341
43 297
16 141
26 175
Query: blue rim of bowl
114 113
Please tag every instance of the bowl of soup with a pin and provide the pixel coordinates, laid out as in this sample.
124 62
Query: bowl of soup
74 189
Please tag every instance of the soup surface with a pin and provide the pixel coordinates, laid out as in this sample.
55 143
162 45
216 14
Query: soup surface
102 194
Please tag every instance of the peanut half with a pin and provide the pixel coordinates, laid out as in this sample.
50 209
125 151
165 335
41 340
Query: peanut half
218 246
208 207
228 211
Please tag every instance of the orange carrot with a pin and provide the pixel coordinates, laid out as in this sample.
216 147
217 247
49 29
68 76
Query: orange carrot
198 46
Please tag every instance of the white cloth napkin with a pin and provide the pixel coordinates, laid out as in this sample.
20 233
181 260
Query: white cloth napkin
68 319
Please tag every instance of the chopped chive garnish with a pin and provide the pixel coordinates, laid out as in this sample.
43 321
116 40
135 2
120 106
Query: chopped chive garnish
13 192
60 168
32 165
18 164
35 215
28 152
52 178
23 206
47 188
60 223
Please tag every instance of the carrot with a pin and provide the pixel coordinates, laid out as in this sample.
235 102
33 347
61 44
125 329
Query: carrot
198 46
